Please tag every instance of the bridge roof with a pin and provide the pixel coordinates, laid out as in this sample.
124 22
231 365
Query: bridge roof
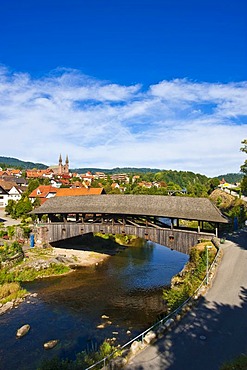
201 209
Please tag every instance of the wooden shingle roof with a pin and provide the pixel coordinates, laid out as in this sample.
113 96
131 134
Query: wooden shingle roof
201 209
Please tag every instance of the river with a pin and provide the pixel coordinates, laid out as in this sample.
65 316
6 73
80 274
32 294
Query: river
127 288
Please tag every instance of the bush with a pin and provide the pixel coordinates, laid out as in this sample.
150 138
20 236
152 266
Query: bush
83 359
240 363
9 250
192 276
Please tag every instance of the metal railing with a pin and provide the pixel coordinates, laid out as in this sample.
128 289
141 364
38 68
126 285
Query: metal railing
166 318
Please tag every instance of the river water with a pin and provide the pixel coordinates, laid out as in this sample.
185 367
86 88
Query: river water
127 288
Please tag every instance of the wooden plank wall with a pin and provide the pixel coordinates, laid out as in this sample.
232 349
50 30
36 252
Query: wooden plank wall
180 240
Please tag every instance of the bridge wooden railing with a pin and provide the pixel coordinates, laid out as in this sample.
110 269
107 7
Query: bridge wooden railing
180 240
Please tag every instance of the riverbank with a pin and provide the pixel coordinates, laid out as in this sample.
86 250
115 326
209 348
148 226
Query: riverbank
79 258
219 317
37 263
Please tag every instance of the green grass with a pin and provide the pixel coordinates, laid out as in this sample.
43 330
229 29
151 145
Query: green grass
30 274
11 291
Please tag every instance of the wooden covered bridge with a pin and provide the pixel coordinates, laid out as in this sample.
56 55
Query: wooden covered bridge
156 218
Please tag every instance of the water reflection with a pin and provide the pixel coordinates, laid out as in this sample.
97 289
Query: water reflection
127 288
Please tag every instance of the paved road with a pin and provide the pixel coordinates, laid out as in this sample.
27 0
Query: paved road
7 221
216 330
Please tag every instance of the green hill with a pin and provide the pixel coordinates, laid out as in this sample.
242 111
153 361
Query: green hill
232 178
7 162
129 170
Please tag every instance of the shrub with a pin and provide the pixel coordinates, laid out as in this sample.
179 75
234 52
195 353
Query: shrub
193 274
9 250
240 363
83 359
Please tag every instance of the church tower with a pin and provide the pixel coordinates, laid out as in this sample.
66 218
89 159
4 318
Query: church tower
60 165
66 166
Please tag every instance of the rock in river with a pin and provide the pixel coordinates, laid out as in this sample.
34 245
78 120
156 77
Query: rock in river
23 331
51 344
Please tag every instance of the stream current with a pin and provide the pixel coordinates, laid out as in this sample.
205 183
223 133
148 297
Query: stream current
126 289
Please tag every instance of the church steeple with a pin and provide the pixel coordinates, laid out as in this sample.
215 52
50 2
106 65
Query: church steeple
66 166
63 168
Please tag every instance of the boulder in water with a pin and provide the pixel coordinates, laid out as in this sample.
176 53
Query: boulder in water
23 331
51 344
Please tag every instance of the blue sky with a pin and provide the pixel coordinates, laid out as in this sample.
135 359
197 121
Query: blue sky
135 83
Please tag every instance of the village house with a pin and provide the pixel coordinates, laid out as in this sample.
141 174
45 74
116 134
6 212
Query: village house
43 192
9 191
100 175
121 178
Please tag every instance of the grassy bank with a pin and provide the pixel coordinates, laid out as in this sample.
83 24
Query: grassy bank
16 268
185 283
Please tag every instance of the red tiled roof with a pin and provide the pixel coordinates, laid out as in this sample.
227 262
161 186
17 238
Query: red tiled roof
63 192
38 173
42 191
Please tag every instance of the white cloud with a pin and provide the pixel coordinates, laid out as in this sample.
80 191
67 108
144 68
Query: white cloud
175 124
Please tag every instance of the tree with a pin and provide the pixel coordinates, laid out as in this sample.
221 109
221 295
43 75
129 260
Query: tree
10 208
213 184
243 169
32 185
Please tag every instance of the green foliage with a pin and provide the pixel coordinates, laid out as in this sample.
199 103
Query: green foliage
26 231
57 364
186 283
240 363
181 178
244 185
213 184
105 350
10 208
83 359
19 208
244 169
218 201
9 250
197 190
196 184
231 178
30 274
194 256
11 231
174 297
7 162
44 218
3 233
32 185
10 292
244 149
239 210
